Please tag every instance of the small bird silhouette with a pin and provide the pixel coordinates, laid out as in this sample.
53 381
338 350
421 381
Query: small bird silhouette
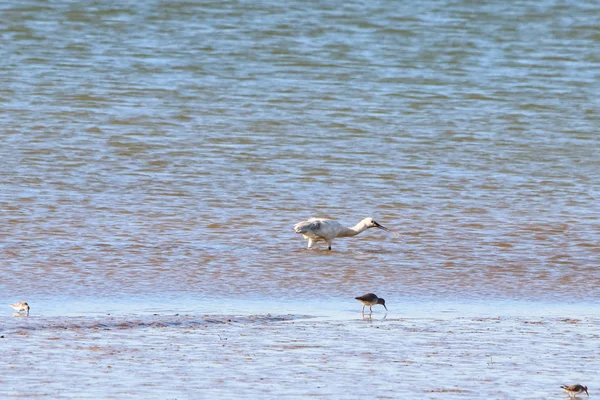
574 390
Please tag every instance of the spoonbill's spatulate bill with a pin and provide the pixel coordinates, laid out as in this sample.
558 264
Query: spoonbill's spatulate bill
325 230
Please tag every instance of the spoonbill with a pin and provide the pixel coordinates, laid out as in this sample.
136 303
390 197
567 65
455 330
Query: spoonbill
21 306
321 229
370 299
574 390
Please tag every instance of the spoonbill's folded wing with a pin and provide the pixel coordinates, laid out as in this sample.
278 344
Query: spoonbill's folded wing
312 225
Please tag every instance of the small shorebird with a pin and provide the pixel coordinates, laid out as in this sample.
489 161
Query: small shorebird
325 230
21 306
370 299
574 390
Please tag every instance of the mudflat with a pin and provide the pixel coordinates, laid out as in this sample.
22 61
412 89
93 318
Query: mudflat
454 355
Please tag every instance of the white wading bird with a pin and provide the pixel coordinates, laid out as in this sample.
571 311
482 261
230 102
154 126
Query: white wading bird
20 306
321 229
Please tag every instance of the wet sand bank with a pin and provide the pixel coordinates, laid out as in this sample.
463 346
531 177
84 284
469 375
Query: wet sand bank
456 355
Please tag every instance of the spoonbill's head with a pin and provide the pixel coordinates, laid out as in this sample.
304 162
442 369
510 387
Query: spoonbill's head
382 302
371 223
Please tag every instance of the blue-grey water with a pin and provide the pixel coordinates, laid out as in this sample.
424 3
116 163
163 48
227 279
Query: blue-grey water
159 153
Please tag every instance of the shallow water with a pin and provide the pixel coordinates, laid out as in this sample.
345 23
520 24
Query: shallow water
171 147
441 350
158 154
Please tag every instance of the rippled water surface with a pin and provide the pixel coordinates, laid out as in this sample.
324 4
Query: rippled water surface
154 146
166 149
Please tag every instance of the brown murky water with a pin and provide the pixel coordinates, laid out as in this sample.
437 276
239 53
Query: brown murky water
171 147
159 154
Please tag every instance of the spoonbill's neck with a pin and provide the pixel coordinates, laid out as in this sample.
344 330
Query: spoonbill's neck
355 230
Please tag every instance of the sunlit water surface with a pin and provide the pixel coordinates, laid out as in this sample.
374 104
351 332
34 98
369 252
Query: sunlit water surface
156 155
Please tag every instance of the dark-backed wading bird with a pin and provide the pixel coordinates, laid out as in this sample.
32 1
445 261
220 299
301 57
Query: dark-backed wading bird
325 230
370 299
574 390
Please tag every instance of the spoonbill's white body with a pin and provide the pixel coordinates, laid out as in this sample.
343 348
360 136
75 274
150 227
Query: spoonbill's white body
325 230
